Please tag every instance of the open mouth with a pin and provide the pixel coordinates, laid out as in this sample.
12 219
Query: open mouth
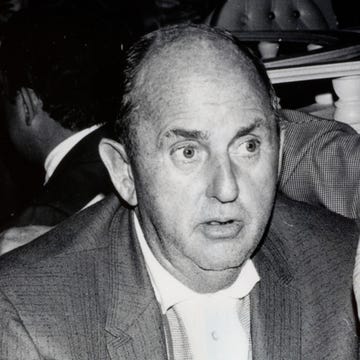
220 222
220 230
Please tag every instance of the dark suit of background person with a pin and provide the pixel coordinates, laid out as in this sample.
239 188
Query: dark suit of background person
79 178
60 67
7 192
82 291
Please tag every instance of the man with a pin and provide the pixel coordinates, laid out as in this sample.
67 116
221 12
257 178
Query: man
57 93
192 268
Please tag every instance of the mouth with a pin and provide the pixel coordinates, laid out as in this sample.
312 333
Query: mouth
222 229
215 222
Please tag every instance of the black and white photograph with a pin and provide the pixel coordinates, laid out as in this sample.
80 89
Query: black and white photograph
179 180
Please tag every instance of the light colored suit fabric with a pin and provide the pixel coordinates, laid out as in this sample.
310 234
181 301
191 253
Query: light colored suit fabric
321 163
82 291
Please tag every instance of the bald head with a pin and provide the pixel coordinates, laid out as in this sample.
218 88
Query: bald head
173 63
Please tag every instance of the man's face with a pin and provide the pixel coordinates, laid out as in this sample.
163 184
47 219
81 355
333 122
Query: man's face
205 172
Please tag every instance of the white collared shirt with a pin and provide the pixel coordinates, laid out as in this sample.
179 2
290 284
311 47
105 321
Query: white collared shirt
60 151
212 322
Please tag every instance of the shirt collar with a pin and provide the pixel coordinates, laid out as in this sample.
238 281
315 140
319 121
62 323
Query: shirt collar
169 291
59 152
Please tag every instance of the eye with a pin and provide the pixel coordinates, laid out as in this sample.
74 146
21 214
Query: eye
187 156
247 148
184 152
251 145
188 152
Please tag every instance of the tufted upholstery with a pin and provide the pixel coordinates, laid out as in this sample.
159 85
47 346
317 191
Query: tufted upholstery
249 15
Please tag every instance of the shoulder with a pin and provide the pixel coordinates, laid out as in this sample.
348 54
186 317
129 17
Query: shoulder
312 240
298 219
305 135
297 212
292 119
303 132
85 233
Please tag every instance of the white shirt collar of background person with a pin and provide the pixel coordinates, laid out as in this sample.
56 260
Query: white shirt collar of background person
60 151
213 326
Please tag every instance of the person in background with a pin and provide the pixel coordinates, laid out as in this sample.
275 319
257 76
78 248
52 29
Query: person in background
320 162
59 77
204 234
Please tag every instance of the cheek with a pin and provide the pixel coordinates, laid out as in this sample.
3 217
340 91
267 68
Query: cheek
260 186
266 169
265 180
155 186
173 196
162 178
169 200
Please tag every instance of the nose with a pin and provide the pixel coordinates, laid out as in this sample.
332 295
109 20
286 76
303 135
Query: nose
222 182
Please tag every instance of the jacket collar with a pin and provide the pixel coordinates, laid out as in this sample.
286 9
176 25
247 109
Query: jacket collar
134 321
85 150
275 305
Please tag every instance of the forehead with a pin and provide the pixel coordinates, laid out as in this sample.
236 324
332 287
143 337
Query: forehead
195 80
210 94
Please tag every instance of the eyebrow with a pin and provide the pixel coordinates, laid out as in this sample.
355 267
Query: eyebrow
248 129
183 133
200 135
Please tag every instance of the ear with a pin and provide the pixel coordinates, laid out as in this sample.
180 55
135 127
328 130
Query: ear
114 157
31 104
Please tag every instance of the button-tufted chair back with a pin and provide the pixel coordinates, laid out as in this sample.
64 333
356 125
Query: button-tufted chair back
250 15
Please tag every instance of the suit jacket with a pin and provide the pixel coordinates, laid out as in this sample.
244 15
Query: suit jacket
80 176
321 163
82 290
7 192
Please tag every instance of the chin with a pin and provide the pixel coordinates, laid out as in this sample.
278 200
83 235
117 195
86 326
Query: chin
221 258
222 263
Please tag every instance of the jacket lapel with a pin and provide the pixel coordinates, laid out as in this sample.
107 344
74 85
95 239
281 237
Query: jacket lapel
134 321
275 308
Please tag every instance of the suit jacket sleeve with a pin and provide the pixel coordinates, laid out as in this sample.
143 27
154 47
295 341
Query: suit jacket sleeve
15 342
321 163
